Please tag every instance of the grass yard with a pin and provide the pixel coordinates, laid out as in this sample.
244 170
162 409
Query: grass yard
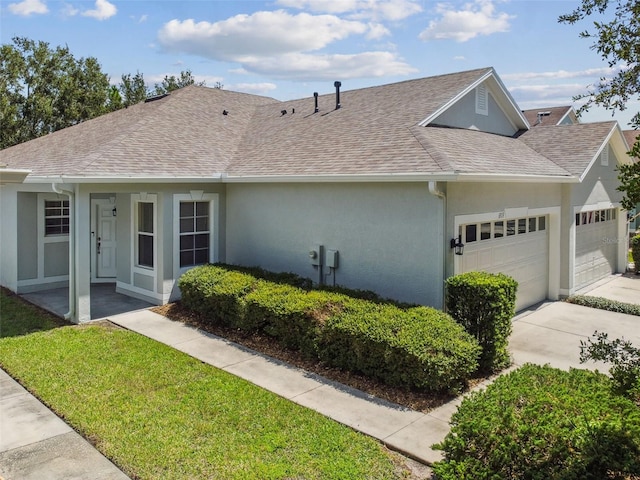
158 413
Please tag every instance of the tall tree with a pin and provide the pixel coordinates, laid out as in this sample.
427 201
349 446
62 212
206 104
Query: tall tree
133 89
617 40
171 83
43 90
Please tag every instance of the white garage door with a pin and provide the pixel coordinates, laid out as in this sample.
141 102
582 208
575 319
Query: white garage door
596 246
517 247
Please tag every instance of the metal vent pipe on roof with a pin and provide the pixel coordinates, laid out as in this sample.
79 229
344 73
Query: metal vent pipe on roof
315 96
337 85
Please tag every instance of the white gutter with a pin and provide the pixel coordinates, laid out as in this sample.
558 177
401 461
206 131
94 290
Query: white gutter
123 179
12 175
72 248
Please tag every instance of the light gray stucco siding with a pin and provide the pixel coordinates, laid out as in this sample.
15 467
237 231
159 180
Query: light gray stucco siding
27 235
389 236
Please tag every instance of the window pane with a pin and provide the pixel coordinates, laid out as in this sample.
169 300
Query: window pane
542 223
202 209
145 217
202 224
532 224
470 233
201 257
511 227
522 225
485 231
186 225
186 258
145 250
186 209
186 242
498 229
201 241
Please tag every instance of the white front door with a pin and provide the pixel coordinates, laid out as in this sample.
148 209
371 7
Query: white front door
103 244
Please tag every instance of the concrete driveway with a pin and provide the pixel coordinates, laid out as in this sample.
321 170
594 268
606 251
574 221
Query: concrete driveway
552 332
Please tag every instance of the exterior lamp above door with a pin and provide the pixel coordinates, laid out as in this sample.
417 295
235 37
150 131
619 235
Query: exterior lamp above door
456 243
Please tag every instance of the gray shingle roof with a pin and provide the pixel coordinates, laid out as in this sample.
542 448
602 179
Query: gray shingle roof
555 115
572 147
376 132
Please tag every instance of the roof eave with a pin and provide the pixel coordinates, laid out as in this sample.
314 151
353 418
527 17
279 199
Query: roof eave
213 178
13 175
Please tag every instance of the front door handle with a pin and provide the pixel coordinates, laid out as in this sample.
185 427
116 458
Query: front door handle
98 249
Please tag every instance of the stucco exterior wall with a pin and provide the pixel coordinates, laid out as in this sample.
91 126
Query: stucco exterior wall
463 115
389 236
27 231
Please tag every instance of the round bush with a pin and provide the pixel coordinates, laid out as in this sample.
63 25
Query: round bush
543 423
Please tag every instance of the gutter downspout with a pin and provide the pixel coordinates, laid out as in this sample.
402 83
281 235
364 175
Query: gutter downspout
72 249
433 190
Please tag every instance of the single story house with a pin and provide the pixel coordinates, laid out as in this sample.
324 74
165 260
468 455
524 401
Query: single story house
390 188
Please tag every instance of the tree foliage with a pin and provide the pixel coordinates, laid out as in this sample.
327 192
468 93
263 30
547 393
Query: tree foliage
171 83
44 89
617 40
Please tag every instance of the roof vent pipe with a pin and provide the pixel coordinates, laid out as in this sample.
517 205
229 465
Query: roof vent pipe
337 85
315 96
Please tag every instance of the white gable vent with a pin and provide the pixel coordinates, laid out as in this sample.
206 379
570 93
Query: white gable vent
604 157
482 100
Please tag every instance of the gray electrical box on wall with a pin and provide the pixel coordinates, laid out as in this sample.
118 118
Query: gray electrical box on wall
331 259
315 254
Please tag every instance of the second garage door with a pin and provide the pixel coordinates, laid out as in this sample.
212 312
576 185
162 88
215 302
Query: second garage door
596 246
517 247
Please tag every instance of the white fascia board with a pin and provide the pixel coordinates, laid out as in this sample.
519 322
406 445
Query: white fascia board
338 178
455 99
123 179
514 178
13 175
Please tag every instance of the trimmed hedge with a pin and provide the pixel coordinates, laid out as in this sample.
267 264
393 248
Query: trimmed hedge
635 252
413 347
605 304
484 303
543 423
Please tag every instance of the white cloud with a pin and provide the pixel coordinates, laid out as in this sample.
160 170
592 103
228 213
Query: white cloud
377 30
477 18
28 7
379 10
459 58
561 74
260 34
103 10
306 67
255 88
69 10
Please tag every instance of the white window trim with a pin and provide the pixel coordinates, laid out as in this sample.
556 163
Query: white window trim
135 268
44 239
195 196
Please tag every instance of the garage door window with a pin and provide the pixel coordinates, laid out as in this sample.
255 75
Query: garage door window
496 229
596 216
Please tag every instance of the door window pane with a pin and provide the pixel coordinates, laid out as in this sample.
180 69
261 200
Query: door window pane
485 231
498 229
542 223
471 233
532 224
522 225
511 227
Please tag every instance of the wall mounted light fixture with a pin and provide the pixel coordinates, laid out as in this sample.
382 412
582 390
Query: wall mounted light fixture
456 243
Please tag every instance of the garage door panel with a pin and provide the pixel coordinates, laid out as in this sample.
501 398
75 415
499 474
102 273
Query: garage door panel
522 256
595 247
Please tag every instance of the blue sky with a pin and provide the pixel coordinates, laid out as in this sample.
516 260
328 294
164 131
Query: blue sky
290 48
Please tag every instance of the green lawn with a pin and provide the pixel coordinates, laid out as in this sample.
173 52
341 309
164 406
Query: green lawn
158 413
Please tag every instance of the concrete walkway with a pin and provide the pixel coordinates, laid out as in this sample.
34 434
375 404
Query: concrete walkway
36 445
548 334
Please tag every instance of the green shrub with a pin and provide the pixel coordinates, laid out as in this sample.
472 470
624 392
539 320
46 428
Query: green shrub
291 315
419 347
413 347
605 304
484 303
543 423
635 252
216 293
625 360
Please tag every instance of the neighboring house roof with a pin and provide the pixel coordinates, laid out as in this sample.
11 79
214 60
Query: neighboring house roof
550 116
381 131
631 136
